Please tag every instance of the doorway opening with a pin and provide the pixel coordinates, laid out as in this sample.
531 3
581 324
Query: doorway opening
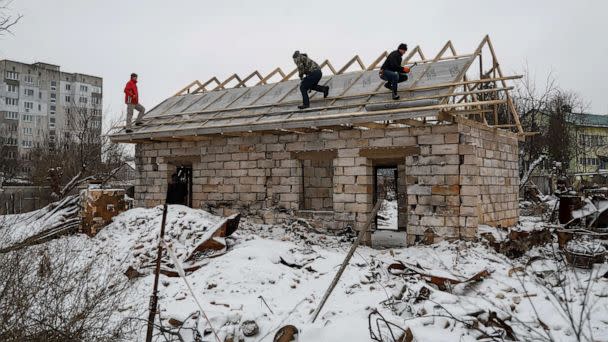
386 189
179 190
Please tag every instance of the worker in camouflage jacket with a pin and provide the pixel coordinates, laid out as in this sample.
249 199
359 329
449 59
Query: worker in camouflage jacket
310 74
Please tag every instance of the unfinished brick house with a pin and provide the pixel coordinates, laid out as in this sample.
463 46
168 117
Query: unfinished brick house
452 140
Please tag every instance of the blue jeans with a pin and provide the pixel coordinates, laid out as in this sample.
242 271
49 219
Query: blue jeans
393 78
311 81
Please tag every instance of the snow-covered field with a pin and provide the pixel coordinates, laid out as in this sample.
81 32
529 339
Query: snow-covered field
253 281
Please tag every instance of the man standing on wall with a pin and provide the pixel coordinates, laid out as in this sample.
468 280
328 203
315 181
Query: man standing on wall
392 71
310 74
132 101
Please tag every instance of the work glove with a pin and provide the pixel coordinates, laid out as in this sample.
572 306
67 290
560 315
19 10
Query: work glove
406 69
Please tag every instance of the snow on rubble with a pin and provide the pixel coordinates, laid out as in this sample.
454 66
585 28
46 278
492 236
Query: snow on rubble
275 275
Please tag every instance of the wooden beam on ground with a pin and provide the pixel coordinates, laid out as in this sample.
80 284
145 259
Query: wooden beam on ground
349 255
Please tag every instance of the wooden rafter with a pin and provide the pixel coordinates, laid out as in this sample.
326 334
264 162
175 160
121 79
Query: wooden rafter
272 73
226 81
329 65
468 98
377 61
349 63
244 81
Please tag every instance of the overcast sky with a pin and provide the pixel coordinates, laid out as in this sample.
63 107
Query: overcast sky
171 43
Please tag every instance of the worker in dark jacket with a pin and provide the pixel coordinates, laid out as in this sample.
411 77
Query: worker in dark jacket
392 71
132 102
310 74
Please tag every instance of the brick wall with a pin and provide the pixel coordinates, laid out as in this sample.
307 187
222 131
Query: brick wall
318 188
443 187
497 186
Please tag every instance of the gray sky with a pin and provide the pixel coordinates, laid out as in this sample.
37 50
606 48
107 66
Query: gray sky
170 43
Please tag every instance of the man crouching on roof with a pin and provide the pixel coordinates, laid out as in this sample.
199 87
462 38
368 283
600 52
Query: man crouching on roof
312 74
392 72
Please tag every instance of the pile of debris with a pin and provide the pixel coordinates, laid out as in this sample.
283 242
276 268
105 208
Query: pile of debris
194 235
55 220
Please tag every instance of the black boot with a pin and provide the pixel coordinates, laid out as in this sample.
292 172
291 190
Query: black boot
388 86
395 96
303 106
325 92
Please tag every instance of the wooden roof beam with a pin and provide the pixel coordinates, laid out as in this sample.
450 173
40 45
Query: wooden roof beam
349 63
187 88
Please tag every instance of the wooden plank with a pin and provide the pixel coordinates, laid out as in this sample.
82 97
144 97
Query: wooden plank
392 114
389 152
373 125
438 86
373 65
411 122
350 62
510 105
202 86
218 112
272 73
181 91
242 83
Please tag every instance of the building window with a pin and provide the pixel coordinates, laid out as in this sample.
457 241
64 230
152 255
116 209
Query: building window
11 88
27 117
28 92
84 88
28 79
53 85
68 87
68 99
11 115
11 75
82 99
53 95
27 130
26 143
11 101
28 105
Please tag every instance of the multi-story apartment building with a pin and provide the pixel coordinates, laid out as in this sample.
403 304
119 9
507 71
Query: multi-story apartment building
40 106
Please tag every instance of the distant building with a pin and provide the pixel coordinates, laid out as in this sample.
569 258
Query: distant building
590 134
592 140
38 103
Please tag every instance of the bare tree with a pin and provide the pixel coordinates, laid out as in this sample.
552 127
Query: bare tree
9 158
7 19
82 154
548 110
58 294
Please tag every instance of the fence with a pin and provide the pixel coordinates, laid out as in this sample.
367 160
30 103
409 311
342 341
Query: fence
21 199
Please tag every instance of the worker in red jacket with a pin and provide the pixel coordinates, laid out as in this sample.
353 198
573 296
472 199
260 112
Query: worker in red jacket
132 101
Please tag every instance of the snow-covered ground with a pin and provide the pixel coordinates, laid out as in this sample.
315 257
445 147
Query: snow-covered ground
387 215
253 281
